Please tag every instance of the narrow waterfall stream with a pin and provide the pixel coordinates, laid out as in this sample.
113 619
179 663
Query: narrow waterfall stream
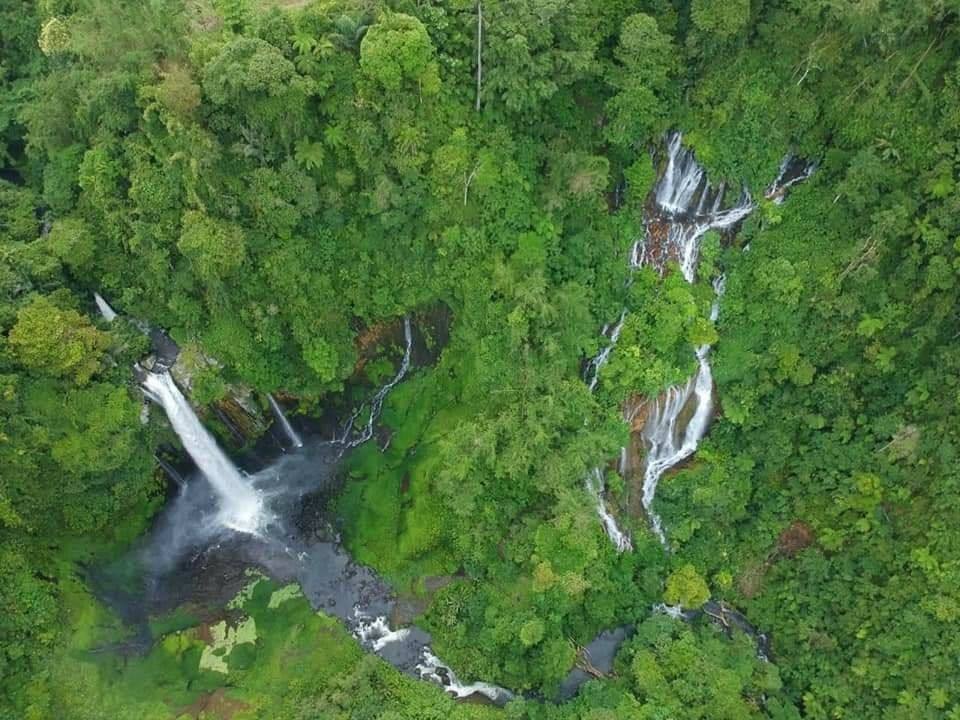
288 430
351 438
108 313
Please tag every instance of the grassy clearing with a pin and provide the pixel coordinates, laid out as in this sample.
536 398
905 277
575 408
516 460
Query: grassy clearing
272 658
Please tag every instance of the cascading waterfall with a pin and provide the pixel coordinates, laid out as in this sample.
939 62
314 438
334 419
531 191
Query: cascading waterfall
432 668
595 487
288 430
241 507
107 312
596 363
686 209
667 443
376 404
793 170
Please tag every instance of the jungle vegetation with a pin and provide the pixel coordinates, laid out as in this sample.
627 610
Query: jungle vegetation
267 178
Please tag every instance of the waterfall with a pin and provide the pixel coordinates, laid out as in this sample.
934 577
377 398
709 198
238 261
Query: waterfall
592 372
376 632
376 404
108 313
793 170
687 207
241 506
291 434
667 443
595 487
594 481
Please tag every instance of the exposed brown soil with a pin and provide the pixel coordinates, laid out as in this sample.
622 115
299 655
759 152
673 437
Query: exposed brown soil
795 538
214 704
203 633
370 339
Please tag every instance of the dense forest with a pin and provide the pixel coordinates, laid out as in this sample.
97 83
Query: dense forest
419 220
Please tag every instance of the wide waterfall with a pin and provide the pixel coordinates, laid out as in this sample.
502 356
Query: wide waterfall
288 430
241 507
686 207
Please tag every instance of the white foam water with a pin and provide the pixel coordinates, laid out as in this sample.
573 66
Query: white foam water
240 505
107 312
432 668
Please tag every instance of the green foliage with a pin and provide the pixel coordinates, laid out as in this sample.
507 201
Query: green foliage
646 64
699 674
214 249
265 183
397 49
722 18
686 587
56 342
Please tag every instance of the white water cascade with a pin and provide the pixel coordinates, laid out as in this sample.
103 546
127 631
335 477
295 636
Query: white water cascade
108 313
432 668
617 536
376 632
288 430
241 507
686 209
667 443
376 404
612 334
793 170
